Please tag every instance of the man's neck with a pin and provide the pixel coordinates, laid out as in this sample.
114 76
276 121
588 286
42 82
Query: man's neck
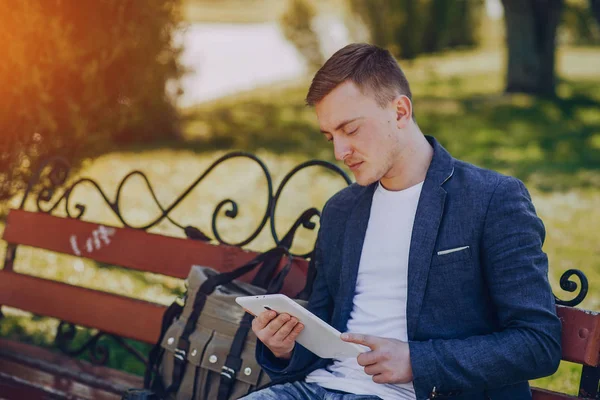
412 167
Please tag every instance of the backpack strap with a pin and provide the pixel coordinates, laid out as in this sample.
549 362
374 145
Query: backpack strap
172 312
206 289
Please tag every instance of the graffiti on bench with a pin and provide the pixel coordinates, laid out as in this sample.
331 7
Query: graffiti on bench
100 238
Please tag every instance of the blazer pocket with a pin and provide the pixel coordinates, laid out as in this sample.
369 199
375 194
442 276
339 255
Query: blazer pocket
452 255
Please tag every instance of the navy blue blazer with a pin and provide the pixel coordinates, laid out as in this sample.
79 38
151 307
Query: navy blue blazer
481 321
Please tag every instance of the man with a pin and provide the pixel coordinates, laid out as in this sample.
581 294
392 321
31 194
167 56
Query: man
434 264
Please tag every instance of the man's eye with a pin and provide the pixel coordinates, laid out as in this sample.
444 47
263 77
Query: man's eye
352 132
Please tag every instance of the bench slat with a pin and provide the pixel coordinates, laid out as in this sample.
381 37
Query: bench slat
24 382
542 394
580 335
101 377
109 313
12 387
61 375
133 248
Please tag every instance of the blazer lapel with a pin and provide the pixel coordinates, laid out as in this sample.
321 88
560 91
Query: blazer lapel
354 236
425 229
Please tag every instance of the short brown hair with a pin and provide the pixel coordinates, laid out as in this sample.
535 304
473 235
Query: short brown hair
373 69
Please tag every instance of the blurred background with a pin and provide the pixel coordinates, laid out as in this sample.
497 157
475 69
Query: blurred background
168 86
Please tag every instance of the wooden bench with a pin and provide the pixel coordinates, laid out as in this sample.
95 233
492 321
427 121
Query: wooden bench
580 345
32 372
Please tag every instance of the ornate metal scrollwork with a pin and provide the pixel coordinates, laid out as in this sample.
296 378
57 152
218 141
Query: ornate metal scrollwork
53 176
58 170
307 215
98 352
571 286
65 334
54 173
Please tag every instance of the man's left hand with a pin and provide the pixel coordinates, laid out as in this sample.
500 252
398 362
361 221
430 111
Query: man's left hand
387 362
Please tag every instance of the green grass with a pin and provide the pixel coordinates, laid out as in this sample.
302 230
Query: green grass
551 144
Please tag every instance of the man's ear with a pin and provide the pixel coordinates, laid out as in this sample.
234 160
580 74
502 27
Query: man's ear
403 107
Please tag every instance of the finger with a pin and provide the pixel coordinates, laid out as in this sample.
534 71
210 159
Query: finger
285 330
295 332
382 378
276 324
368 358
365 340
374 369
263 319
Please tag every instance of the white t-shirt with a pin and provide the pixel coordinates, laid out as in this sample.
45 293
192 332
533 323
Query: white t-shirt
379 307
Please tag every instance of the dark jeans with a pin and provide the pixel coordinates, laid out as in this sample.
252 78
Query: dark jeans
304 391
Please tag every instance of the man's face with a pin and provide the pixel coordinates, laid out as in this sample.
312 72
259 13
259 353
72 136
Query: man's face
365 136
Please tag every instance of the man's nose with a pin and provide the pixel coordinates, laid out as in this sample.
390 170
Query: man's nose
341 148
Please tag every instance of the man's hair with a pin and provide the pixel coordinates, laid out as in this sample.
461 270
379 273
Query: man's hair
373 69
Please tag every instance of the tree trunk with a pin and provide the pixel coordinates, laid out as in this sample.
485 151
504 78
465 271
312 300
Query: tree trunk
595 7
407 32
531 40
434 36
466 20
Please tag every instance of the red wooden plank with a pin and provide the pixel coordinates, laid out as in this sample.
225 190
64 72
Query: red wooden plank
110 313
542 394
22 382
132 248
56 373
13 388
580 335
105 378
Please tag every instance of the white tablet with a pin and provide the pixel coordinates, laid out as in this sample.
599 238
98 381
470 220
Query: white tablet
317 336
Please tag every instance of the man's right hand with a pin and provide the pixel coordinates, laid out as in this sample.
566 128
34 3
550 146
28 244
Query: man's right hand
277 332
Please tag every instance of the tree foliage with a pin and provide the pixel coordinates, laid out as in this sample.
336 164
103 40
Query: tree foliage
581 22
296 23
78 76
412 27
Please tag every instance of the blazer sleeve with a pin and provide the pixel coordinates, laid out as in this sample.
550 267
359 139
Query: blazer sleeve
320 303
527 345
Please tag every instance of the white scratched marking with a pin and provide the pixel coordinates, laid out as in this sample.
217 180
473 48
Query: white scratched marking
100 237
105 233
96 239
74 247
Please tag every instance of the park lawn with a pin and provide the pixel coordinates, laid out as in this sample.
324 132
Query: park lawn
551 144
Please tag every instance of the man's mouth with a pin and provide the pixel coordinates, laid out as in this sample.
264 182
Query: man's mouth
355 166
